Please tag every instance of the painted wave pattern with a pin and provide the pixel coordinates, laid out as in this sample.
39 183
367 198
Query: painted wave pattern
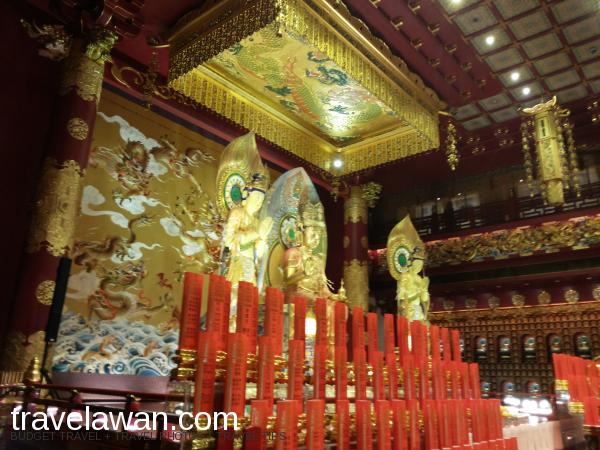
116 347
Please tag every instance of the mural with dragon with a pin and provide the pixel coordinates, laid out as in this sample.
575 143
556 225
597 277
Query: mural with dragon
297 78
147 215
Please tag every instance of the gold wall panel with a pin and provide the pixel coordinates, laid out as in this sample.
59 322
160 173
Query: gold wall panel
148 214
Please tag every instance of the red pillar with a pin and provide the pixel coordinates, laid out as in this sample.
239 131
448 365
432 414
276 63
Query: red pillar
356 245
56 207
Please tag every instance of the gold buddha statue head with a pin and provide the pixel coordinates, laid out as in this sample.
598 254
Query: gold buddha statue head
256 190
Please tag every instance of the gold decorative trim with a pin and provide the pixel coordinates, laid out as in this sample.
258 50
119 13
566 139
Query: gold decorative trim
330 28
346 241
574 234
20 349
78 129
148 84
56 210
261 119
355 207
356 281
45 291
512 312
82 75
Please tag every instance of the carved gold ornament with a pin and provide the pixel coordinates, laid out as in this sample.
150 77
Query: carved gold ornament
571 296
371 192
77 128
517 299
45 291
99 47
471 303
54 39
356 281
57 207
544 298
19 350
596 293
549 237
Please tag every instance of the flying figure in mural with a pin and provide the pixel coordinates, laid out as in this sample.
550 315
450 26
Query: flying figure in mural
406 258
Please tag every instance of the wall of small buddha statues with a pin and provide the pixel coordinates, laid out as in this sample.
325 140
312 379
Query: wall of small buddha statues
514 346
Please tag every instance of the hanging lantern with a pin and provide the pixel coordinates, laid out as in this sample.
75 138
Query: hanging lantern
555 150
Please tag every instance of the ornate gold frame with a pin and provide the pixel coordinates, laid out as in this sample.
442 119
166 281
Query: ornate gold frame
328 26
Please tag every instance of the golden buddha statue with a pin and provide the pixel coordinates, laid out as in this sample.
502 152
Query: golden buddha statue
303 264
242 182
406 256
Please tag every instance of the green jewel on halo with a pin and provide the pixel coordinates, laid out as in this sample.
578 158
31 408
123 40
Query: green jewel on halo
402 260
236 193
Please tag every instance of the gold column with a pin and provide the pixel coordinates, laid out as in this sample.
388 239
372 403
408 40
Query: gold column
356 244
56 207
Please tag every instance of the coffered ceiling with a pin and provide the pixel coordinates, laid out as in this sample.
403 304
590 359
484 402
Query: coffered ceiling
488 58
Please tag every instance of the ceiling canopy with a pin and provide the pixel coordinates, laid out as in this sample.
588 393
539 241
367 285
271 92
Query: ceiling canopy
306 76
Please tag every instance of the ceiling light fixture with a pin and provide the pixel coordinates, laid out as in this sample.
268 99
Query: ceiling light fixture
338 163
490 40
515 76
526 90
